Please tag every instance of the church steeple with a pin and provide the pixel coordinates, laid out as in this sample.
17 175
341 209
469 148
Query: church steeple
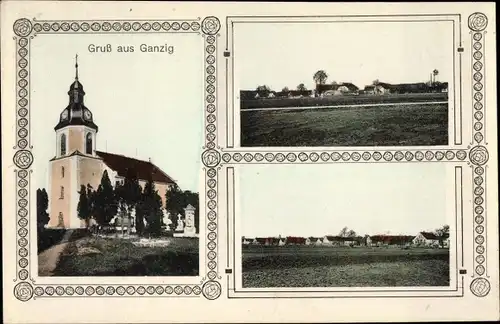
76 113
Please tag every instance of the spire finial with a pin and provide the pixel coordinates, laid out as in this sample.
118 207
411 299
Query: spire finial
76 66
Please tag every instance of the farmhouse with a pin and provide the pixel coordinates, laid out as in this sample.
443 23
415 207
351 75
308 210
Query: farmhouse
314 241
292 240
429 239
393 240
246 240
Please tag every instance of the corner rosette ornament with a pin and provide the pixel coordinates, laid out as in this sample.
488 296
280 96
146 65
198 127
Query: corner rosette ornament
22 27
478 21
210 25
211 158
23 291
479 155
211 290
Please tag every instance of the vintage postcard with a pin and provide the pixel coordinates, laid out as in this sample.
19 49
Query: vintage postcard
249 162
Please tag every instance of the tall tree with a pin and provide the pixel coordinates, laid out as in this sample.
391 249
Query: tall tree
263 91
320 77
175 203
285 89
351 233
443 233
128 195
301 87
105 202
151 204
344 232
84 206
42 203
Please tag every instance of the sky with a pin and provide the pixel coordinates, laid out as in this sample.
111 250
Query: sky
287 54
146 105
319 200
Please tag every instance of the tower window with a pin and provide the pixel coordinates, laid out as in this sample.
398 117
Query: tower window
88 143
63 144
62 172
62 193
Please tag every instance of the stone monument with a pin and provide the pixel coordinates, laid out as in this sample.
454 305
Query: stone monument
166 220
180 224
190 229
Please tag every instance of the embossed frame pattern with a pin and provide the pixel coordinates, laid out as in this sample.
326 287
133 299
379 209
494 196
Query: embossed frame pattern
25 31
472 155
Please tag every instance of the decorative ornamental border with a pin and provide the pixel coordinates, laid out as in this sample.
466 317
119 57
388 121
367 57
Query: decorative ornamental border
474 155
25 30
480 285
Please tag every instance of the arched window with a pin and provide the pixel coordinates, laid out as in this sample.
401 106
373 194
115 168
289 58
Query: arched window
88 143
63 144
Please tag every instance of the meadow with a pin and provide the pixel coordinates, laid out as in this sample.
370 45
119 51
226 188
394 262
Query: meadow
96 256
344 267
385 125
342 100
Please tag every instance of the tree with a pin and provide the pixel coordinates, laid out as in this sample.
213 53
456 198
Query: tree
84 206
351 233
320 77
443 233
263 91
151 204
376 82
128 195
42 203
105 202
177 200
343 232
285 89
334 83
301 87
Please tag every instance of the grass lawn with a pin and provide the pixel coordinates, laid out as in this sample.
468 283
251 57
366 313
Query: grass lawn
119 257
408 125
339 267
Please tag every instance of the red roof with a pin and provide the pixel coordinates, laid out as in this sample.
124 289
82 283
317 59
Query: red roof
143 169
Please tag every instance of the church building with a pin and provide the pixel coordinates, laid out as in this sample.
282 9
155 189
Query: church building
77 162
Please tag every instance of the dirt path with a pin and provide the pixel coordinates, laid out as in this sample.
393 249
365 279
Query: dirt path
47 260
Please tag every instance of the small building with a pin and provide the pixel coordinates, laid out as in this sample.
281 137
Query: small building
260 241
246 240
293 240
429 239
314 241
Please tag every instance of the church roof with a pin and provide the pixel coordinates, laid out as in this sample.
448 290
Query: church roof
143 169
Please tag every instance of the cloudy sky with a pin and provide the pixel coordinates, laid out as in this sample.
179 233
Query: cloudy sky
317 200
287 54
146 105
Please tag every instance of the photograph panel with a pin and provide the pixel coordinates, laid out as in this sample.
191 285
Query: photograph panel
117 191
344 83
386 226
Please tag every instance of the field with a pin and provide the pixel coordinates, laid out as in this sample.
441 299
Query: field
341 100
344 267
117 257
390 125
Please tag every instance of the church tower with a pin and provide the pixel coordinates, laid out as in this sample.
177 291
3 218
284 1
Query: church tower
75 162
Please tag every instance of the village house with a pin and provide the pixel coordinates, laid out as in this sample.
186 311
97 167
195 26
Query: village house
314 241
293 240
246 240
429 239
391 240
